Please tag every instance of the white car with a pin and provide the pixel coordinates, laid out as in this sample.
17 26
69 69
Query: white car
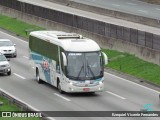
7 48
4 65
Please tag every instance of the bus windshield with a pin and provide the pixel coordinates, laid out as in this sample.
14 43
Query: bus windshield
84 66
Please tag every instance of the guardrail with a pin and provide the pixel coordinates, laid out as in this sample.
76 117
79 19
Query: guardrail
24 106
111 13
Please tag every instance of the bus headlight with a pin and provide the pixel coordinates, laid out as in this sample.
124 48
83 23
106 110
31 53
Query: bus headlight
101 82
71 83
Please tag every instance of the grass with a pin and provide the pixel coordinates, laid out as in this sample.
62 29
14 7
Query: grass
11 107
6 106
16 26
132 65
120 61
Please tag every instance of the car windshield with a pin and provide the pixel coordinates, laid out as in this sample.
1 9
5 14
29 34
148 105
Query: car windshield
3 58
84 65
6 43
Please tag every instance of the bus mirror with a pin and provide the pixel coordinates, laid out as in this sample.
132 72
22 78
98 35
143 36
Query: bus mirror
105 58
64 59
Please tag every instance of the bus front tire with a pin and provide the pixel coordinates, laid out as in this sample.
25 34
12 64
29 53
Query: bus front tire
38 77
59 88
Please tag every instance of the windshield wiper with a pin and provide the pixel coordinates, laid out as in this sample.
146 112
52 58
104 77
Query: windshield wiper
90 70
80 72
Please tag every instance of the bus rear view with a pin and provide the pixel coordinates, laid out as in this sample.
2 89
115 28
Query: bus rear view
75 63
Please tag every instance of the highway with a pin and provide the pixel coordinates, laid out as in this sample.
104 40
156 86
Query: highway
111 20
134 7
119 94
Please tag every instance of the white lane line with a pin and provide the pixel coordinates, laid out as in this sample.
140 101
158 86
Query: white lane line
157 8
26 57
13 37
129 3
133 83
143 11
62 97
116 95
117 5
105 72
29 106
19 76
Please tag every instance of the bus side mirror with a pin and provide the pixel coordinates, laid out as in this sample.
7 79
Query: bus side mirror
105 58
64 59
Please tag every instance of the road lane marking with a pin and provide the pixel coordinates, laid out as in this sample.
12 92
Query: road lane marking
62 97
116 95
117 5
129 3
26 57
13 37
133 83
19 76
143 11
105 72
26 104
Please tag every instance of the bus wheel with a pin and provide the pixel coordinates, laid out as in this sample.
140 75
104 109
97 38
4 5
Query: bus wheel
38 77
59 87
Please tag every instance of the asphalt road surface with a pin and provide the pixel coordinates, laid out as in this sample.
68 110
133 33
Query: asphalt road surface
134 7
119 94
95 16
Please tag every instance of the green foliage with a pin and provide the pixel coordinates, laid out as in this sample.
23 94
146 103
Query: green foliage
8 106
132 65
16 26
123 62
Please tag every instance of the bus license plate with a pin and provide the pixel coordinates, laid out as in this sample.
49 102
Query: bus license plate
86 89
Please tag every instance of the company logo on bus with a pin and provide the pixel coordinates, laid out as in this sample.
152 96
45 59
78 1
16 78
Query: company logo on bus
45 65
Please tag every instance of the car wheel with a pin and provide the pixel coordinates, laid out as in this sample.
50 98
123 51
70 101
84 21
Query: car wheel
9 73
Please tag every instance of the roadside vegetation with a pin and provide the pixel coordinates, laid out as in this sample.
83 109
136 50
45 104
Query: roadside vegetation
18 27
152 1
7 106
132 65
123 62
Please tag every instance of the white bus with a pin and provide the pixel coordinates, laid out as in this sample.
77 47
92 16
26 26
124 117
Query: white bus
67 61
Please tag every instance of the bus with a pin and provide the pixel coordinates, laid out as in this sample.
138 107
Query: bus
68 61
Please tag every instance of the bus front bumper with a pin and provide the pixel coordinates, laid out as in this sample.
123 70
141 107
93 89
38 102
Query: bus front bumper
76 89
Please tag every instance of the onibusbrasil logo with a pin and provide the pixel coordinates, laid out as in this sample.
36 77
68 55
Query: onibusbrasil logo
148 107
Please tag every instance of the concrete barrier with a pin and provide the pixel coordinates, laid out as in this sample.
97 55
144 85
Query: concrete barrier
24 106
142 52
111 13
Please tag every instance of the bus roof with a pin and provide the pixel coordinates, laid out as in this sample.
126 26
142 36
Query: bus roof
68 41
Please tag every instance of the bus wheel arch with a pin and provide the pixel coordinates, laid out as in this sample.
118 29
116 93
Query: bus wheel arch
59 86
38 76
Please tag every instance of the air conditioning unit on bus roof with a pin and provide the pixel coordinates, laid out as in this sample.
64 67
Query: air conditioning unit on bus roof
71 35
63 35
